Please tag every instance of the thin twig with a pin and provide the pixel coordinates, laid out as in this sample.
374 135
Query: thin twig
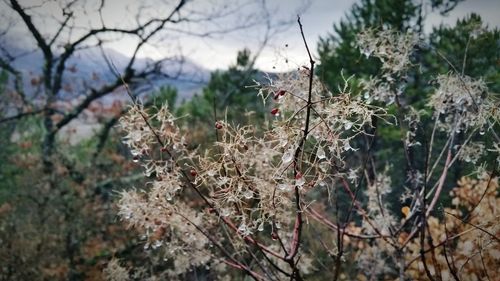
298 220
475 226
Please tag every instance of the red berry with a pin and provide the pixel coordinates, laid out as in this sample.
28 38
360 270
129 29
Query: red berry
275 111
218 125
279 94
193 172
274 235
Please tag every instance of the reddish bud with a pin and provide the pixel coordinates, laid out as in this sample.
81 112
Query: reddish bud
158 233
211 210
279 94
274 235
275 111
218 125
193 172
163 149
298 175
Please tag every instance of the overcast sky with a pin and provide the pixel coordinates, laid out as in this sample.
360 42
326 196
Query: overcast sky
219 51
318 20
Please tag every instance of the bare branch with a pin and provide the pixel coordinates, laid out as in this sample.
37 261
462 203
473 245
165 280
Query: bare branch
21 115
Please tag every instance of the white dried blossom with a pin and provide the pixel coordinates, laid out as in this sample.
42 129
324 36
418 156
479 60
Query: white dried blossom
391 47
461 102
377 90
320 153
375 260
353 176
496 149
377 207
244 230
139 137
412 119
288 156
300 181
471 152
115 272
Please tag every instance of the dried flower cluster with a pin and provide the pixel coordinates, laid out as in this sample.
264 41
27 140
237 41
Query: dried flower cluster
392 48
461 102
245 181
248 198
470 241
115 272
158 213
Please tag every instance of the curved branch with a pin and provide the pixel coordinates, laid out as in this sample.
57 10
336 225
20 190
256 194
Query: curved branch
21 115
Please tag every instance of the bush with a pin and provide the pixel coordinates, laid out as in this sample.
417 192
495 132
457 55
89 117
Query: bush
309 193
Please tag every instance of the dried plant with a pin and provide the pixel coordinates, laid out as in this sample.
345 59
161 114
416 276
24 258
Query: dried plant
248 202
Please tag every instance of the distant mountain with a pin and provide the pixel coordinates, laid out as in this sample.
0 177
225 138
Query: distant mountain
88 68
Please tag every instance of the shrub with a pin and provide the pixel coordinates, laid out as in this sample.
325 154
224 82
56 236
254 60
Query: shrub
254 202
